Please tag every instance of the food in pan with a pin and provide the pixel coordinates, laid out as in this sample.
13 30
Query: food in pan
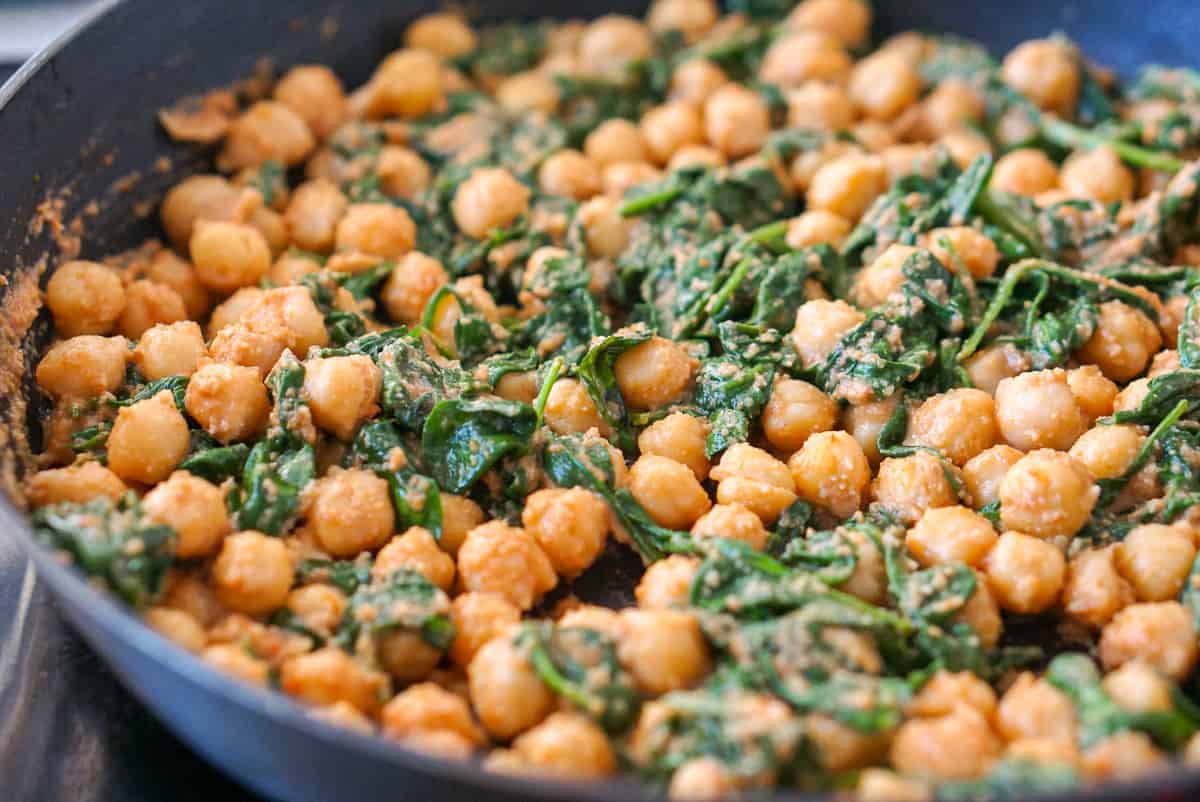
876 357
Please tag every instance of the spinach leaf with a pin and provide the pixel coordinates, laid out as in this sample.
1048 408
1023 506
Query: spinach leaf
379 446
216 463
345 575
732 393
405 600
415 382
596 373
462 439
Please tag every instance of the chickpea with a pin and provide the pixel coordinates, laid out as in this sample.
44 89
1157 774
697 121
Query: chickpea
1161 633
832 472
591 616
654 373
966 246
945 691
148 440
1123 343
615 141
459 516
841 747
667 583
208 197
1107 451
606 232
817 228
1046 72
252 573
734 522
1155 560
694 81
312 215
668 490
884 785
408 83
571 526
984 472
692 18
680 437
75 483
478 617
910 485
410 285
1047 493
1038 410
314 92
428 707
1122 756
506 693
1033 708
848 185
736 120
669 127
231 310
1093 392
1131 396
571 174
330 675
621 177
993 365
883 277
570 410
194 508
170 350
177 626
796 411
664 650
168 269
750 476
1025 574
342 392
497 558
703 778
696 156
965 146
350 511
1025 171
228 401
229 255
805 56
1138 687
237 662
956 746
820 326
83 366
960 423
951 534
490 198
445 33
415 550
611 43
318 607
378 229
951 106
848 21
568 744
883 85
1097 174
531 91
821 106
1094 590
85 298
267 131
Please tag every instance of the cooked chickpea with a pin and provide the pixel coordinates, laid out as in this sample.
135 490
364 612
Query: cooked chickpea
664 650
571 174
820 326
497 558
966 246
252 573
611 43
654 373
819 105
805 56
350 511
318 607
615 141
571 526
1024 573
960 424
692 18
198 197
816 228
170 350
951 534
965 146
795 411
910 485
229 401
85 298
230 311
534 90
1097 174
831 472
83 366
413 281
594 617
330 675
750 476
229 255
267 131
945 691
703 778
848 21
1108 451
953 104
490 198
621 177
75 483
408 83
1025 171
506 693
680 437
736 120
877 281
568 744
148 439
570 410
669 127
841 747
668 490
864 422
1038 410
1123 756
342 392
194 508
314 92
1094 591
478 617
884 785
377 229
606 232
1093 392
1033 708
147 304
984 472
733 522
177 626
1138 687
237 662
313 213
415 550
1123 343
695 80
667 583
956 746
1155 560
1047 493
883 85
429 708
993 365
1045 71
445 33
1161 633
847 185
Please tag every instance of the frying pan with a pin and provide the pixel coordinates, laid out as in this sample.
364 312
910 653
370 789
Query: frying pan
77 124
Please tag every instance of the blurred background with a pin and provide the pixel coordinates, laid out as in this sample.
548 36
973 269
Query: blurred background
26 26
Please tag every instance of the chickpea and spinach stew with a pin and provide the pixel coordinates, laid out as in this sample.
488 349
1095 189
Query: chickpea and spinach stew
869 354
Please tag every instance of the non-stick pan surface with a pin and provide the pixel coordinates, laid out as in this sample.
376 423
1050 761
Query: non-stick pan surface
77 124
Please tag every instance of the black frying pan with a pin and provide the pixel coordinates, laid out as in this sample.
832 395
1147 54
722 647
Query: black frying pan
79 118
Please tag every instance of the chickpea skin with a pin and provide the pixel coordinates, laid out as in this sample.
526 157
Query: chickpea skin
194 508
1093 392
428 707
267 131
847 185
1097 174
654 373
350 511
415 550
410 285
568 744
1123 343
408 83
680 437
506 693
489 199
733 522
960 424
330 675
1024 573
75 483
607 233
1047 493
1033 708
667 583
85 298
820 105
229 401
1095 591
949 535
498 558
314 92
832 472
1046 72
615 141
1155 560
570 174
148 440
342 392
664 650
737 120
478 617
957 746
883 85
312 215
229 255
571 526
669 127
668 490
795 412
173 349
966 246
984 472
570 410
1161 633
1038 410
1025 171
1108 451
910 485
83 366
753 478
376 229
252 573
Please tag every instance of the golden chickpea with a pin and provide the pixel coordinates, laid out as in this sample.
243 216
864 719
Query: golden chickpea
848 185
621 177
177 626
883 85
841 747
696 156
733 522
591 616
312 215
1047 493
680 437
965 146
1123 343
1131 396
982 614
570 410
314 92
1099 175
848 21
703 778
459 516
910 485
402 172
984 472
408 83
252 573
669 127
815 228
85 298
342 392
957 746
478 617
1095 591
267 131
1123 756
229 401
75 483
1166 361
350 511
694 81
615 141
945 691
820 326
692 18
498 558
445 33
318 607
567 744
1093 392
148 440
198 197
882 277
490 198
664 650
83 366
415 550
951 534
667 583
750 476
571 174
1024 573
410 285
230 311
405 656
1156 560
611 43
330 675
571 526
1033 708
167 268
805 56
606 232
1025 171
148 304
1045 71
428 707
821 106
654 373
960 424
884 785
377 229
506 693
993 365
1138 687
795 411
966 246
668 490
953 104
237 662
531 91
1162 633
1038 410
832 472
1171 318
170 350
1107 451
194 508
229 255
736 120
